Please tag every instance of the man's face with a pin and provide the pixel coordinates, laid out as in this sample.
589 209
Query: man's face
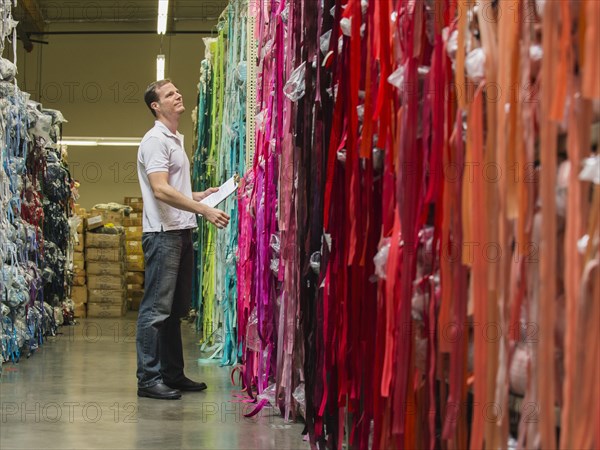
170 101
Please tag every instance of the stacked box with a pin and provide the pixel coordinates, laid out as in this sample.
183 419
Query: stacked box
106 283
134 219
136 203
135 289
135 273
79 211
80 310
79 295
79 263
134 251
114 217
79 287
94 221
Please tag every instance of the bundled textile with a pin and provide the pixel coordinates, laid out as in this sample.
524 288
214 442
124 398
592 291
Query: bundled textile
418 233
116 207
35 190
220 153
7 23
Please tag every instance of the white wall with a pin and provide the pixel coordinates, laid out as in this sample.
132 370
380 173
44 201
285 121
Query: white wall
98 82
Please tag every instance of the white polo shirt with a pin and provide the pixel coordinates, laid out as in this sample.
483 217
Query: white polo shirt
163 151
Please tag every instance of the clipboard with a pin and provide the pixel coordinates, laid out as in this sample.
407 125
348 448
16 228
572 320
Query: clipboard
225 190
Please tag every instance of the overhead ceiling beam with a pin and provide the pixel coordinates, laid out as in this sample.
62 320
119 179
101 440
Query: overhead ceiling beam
34 14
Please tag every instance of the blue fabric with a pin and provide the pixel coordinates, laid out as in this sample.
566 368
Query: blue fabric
167 297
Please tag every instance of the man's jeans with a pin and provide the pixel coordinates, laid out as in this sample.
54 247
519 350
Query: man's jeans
167 297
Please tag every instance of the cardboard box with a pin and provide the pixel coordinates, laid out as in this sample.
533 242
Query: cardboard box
93 222
134 248
137 206
78 210
80 310
101 310
79 294
135 278
78 266
111 296
132 222
134 304
99 240
133 233
129 200
114 217
79 280
134 298
78 262
134 288
108 282
105 268
135 263
80 244
104 254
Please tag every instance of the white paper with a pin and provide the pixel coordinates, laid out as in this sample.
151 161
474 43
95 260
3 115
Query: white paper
226 189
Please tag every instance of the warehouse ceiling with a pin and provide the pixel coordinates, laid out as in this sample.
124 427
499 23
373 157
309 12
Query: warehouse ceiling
55 16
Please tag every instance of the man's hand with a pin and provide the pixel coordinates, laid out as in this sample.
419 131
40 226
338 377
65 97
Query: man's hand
199 196
217 217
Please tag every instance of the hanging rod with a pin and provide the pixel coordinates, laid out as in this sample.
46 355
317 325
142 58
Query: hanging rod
54 33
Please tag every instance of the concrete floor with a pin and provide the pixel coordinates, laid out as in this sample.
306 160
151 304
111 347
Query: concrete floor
78 391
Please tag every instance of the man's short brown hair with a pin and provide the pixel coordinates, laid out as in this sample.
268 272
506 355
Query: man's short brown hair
151 96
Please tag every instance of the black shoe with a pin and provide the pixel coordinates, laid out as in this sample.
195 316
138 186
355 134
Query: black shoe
159 391
186 385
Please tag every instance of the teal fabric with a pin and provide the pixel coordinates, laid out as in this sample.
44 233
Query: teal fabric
220 153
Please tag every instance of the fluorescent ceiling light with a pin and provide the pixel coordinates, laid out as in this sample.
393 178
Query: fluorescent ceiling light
104 141
120 142
160 67
78 142
163 13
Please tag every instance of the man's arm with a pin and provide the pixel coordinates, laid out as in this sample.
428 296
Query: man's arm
163 191
199 196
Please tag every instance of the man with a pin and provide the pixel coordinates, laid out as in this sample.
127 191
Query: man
170 209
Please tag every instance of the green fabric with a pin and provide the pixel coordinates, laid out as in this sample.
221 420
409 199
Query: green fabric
220 153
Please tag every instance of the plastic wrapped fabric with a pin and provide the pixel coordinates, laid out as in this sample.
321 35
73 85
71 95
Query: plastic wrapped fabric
114 207
300 397
56 227
295 87
106 229
56 186
475 65
8 70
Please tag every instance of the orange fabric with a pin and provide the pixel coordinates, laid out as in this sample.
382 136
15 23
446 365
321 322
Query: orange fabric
594 219
548 250
489 40
576 206
460 54
524 149
591 63
588 349
564 62
513 60
508 65
479 271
